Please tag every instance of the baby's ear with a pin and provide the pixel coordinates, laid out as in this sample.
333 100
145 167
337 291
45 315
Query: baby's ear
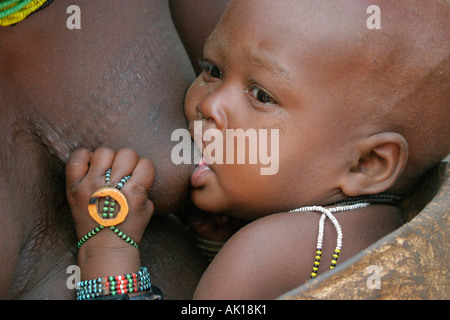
381 159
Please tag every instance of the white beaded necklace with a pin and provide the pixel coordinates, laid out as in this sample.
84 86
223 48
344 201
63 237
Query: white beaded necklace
345 205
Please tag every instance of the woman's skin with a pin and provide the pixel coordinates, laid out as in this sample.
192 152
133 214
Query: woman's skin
117 82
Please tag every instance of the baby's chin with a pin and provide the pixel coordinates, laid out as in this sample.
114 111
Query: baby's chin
205 201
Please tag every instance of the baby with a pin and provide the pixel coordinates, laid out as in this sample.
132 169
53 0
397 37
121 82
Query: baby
361 114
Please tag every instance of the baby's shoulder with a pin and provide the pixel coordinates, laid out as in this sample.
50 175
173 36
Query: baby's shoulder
263 260
275 254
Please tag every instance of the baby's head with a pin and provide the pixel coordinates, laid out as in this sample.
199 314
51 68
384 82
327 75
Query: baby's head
358 111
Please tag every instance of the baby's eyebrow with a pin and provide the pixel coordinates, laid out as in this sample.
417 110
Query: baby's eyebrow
271 65
253 55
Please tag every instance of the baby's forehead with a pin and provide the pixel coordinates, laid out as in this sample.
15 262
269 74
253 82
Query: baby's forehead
300 26
290 37
302 16
330 32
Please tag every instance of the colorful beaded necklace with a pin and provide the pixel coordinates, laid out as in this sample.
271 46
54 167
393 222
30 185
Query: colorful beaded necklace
345 205
14 11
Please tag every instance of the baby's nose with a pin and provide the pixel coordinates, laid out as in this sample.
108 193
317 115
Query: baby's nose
212 110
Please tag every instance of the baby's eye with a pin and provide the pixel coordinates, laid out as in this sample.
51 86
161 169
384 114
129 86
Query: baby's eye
261 95
211 69
215 72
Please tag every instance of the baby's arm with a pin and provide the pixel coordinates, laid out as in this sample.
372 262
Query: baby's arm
263 260
105 253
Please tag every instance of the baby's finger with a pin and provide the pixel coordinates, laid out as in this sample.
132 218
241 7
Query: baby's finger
101 161
142 177
136 192
123 165
77 167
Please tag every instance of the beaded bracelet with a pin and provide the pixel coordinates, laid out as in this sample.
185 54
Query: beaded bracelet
108 213
208 248
114 285
116 230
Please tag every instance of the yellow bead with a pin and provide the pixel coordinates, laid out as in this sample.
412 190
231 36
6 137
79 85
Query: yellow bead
333 261
315 269
313 274
318 252
337 250
316 263
335 256
331 267
21 14
317 257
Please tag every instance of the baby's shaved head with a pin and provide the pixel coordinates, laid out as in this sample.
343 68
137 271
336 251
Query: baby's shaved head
393 79
413 87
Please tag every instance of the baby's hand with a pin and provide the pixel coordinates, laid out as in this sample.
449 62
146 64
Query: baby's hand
212 227
86 174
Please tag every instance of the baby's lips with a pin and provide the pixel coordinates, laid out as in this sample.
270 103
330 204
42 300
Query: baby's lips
201 170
